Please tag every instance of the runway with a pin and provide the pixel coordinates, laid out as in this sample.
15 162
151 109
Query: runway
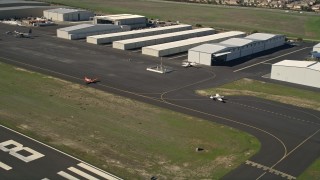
289 135
25 158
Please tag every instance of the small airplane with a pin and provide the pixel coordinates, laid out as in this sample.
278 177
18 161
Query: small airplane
90 80
188 64
217 97
18 34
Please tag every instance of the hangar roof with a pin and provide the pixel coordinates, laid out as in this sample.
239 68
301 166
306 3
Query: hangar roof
139 31
261 36
166 35
120 17
209 48
23 7
294 63
64 10
195 40
82 26
237 41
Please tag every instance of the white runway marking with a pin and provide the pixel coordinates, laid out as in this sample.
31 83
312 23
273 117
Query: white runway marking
48 145
270 59
270 170
81 173
94 170
178 56
67 176
4 166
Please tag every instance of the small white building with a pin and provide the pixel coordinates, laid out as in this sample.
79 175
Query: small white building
298 72
83 30
64 14
132 20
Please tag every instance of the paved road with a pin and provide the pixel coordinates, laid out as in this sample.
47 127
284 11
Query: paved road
289 135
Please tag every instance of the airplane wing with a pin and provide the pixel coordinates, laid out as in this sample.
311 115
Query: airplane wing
220 99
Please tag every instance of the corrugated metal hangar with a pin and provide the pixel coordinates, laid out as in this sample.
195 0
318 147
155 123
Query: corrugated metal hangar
183 45
23 11
64 14
234 48
83 30
299 72
109 38
161 38
134 21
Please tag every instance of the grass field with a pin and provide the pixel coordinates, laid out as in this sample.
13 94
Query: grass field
269 91
229 18
313 172
128 138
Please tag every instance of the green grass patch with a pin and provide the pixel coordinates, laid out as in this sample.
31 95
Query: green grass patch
313 172
275 92
128 138
230 18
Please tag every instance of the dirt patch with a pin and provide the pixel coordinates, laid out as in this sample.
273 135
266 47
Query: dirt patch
24 70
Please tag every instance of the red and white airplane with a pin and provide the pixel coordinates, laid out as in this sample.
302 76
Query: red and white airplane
90 80
217 97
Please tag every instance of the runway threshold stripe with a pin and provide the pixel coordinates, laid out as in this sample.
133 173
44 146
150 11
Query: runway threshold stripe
270 170
91 169
67 176
4 166
81 173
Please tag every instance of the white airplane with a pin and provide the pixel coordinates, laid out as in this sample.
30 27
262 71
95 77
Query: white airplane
188 64
217 97
22 35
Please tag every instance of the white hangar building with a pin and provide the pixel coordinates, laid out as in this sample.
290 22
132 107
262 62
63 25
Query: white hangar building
64 14
109 38
134 21
83 30
300 72
234 48
161 38
183 45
